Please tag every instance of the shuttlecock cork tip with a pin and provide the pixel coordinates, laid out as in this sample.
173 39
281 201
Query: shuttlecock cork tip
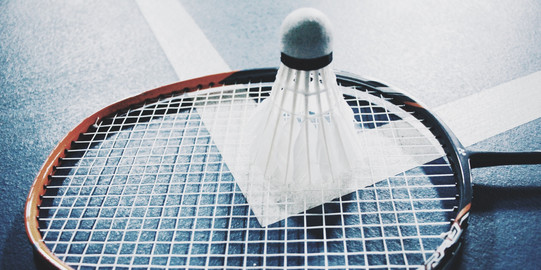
306 39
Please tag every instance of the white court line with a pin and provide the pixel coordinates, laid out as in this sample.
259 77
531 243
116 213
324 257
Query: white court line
189 51
492 111
472 119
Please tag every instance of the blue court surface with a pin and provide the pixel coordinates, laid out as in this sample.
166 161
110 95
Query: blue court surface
477 64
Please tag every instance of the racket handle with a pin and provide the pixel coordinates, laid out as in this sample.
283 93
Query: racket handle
486 159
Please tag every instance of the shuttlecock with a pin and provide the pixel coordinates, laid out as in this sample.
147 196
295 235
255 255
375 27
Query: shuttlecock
305 136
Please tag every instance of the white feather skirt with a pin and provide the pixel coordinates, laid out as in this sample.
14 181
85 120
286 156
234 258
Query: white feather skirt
304 133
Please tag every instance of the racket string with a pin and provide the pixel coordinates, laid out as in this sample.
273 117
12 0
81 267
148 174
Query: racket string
368 225
70 211
423 253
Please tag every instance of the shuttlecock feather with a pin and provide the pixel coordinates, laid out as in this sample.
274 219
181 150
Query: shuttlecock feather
304 131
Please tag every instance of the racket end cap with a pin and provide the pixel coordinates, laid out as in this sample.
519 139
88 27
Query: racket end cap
306 33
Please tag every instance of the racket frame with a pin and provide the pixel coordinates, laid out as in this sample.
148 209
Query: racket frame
456 153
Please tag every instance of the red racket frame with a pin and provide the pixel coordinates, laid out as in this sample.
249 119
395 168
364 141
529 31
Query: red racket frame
449 142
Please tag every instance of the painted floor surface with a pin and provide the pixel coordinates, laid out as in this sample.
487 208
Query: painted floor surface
61 61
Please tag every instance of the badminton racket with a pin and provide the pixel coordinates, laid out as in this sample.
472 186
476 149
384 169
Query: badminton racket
142 184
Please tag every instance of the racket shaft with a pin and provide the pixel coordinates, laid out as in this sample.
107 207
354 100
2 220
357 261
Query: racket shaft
487 159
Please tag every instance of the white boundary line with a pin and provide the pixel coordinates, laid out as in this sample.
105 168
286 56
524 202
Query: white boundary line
472 119
493 111
189 51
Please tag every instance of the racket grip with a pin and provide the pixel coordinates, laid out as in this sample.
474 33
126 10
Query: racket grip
487 159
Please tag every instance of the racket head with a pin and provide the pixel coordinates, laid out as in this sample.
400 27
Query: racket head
301 231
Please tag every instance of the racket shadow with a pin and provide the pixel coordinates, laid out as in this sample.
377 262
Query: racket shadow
488 198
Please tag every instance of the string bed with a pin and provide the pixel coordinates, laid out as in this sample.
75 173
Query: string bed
148 188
